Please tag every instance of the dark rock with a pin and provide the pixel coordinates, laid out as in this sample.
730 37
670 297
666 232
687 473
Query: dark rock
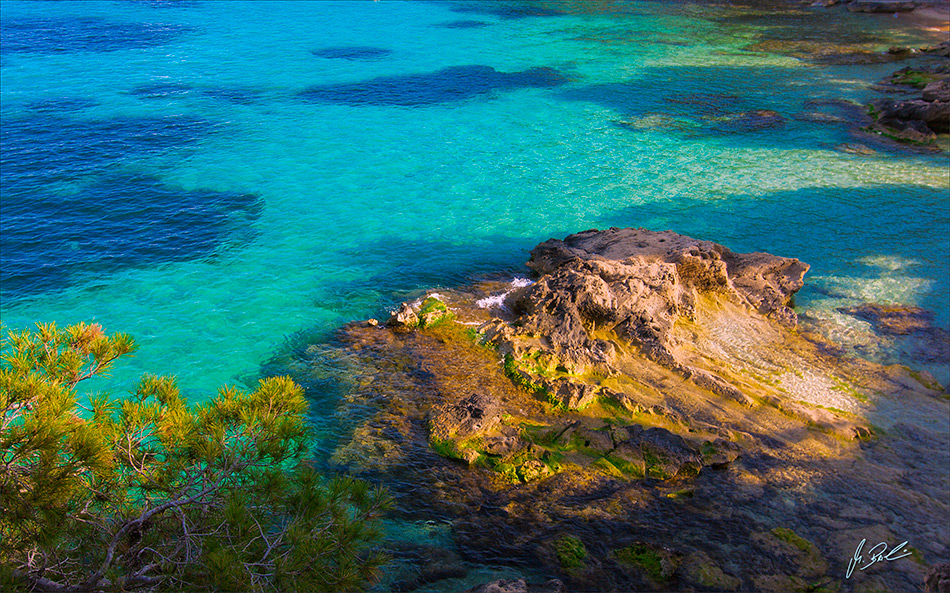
518 586
942 49
668 455
938 90
938 579
501 586
886 6
914 131
474 414
752 121
719 453
935 114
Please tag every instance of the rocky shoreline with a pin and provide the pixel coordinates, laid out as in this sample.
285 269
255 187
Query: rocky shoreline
646 415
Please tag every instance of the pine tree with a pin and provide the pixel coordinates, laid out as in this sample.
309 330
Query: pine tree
147 492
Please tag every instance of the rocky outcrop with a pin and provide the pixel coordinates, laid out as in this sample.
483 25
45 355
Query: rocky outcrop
647 390
915 120
635 284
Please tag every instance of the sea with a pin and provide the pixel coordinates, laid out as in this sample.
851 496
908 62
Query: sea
231 182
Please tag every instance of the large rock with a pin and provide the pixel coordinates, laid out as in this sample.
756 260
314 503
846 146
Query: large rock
936 114
637 283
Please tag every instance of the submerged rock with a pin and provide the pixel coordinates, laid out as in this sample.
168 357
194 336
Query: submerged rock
518 586
892 320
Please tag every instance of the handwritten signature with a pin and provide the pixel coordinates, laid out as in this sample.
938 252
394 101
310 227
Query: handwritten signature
878 553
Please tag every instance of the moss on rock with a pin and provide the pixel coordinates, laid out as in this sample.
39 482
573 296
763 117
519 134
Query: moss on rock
571 553
657 563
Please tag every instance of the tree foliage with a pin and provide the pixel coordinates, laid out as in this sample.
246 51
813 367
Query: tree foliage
148 492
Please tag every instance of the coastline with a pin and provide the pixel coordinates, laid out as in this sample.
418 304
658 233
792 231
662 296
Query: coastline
712 448
627 443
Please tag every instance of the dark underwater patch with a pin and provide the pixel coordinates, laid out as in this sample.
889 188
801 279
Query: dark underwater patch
171 90
161 90
515 9
456 83
66 212
60 105
47 149
82 34
51 239
166 3
463 25
235 96
355 52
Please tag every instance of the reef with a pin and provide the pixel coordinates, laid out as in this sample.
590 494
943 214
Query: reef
646 414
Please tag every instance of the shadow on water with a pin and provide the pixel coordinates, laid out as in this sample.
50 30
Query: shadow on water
67 211
82 34
47 149
116 222
842 227
162 90
508 9
465 24
61 105
352 52
456 83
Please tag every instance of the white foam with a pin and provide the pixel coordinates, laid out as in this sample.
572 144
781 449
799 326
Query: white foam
521 282
497 301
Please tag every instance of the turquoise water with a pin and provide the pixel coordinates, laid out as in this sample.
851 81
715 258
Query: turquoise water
230 181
